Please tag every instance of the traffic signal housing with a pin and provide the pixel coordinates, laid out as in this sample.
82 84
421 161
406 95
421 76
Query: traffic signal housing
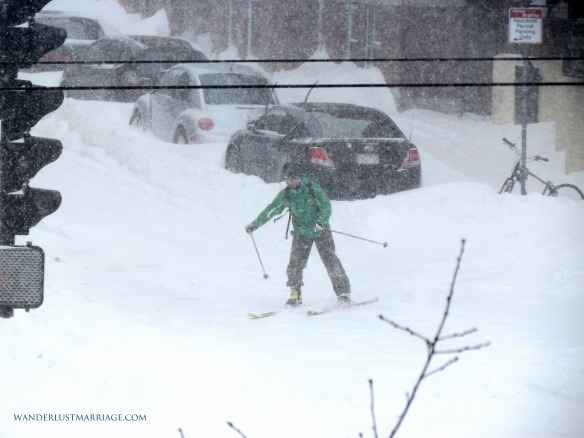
21 278
22 105
22 207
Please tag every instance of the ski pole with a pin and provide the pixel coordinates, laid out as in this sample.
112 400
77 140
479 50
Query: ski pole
384 244
258 253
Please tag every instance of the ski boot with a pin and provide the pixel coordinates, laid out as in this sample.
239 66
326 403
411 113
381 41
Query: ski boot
344 299
295 298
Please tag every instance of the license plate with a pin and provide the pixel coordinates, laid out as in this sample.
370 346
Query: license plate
367 159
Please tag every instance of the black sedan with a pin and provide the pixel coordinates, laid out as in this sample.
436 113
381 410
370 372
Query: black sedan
125 61
352 151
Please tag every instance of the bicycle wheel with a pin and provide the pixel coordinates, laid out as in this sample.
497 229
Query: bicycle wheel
507 186
565 191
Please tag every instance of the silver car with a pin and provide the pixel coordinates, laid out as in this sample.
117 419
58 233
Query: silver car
209 113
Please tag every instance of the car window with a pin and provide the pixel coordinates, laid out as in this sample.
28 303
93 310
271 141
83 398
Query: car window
353 124
175 78
120 52
107 50
169 79
183 93
77 28
236 96
279 121
97 51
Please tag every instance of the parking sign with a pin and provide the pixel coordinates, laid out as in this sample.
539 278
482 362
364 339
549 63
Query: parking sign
525 25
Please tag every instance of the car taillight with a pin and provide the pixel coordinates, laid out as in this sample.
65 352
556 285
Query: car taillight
412 159
206 124
55 57
319 156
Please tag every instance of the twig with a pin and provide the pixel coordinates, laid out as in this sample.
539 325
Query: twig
441 368
405 329
458 335
231 425
373 409
463 349
431 344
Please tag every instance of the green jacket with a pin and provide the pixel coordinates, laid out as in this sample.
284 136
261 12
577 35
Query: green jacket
308 204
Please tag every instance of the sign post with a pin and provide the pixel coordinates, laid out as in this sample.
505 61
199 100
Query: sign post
525 27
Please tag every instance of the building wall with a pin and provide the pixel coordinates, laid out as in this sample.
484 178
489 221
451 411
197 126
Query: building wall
407 29
563 105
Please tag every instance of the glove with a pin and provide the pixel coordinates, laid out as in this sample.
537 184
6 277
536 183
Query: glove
318 227
248 229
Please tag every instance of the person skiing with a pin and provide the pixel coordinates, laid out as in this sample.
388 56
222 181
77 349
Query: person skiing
310 210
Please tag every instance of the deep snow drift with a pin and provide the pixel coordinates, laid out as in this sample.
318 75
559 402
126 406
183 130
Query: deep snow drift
149 276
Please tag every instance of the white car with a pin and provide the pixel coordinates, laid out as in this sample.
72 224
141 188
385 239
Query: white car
181 114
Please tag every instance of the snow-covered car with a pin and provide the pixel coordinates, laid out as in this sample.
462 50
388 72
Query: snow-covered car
196 109
81 30
115 67
352 151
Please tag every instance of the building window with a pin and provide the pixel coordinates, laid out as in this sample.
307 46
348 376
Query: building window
352 35
234 25
373 42
253 40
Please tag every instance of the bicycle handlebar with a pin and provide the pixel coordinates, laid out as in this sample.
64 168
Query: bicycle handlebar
512 146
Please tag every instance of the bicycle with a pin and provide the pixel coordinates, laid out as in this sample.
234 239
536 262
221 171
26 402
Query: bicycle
550 189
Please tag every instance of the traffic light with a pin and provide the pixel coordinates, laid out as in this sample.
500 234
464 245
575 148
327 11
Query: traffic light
22 104
19 162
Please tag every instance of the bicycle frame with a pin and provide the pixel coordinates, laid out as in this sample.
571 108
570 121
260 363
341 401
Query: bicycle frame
516 175
520 173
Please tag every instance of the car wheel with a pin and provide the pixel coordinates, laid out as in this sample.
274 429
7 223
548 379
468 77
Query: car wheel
232 160
180 136
137 119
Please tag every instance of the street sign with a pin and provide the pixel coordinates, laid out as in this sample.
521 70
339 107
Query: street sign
21 277
525 25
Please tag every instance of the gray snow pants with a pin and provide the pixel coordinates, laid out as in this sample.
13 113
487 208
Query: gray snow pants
325 245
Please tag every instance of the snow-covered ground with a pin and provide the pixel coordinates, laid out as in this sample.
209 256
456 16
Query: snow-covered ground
150 275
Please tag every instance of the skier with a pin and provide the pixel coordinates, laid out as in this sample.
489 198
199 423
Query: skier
310 210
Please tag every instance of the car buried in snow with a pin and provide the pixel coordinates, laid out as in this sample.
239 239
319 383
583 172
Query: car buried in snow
113 68
192 107
352 151
82 30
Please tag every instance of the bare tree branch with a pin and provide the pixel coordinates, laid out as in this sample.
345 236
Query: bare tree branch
431 344
458 335
231 425
373 409
405 329
463 349
441 368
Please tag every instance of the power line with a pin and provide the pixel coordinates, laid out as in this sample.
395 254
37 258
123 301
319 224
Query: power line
316 60
305 86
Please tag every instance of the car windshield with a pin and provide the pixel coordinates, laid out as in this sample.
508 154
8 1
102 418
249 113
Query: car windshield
229 96
353 124
77 28
163 54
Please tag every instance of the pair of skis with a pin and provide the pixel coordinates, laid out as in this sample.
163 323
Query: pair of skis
312 312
